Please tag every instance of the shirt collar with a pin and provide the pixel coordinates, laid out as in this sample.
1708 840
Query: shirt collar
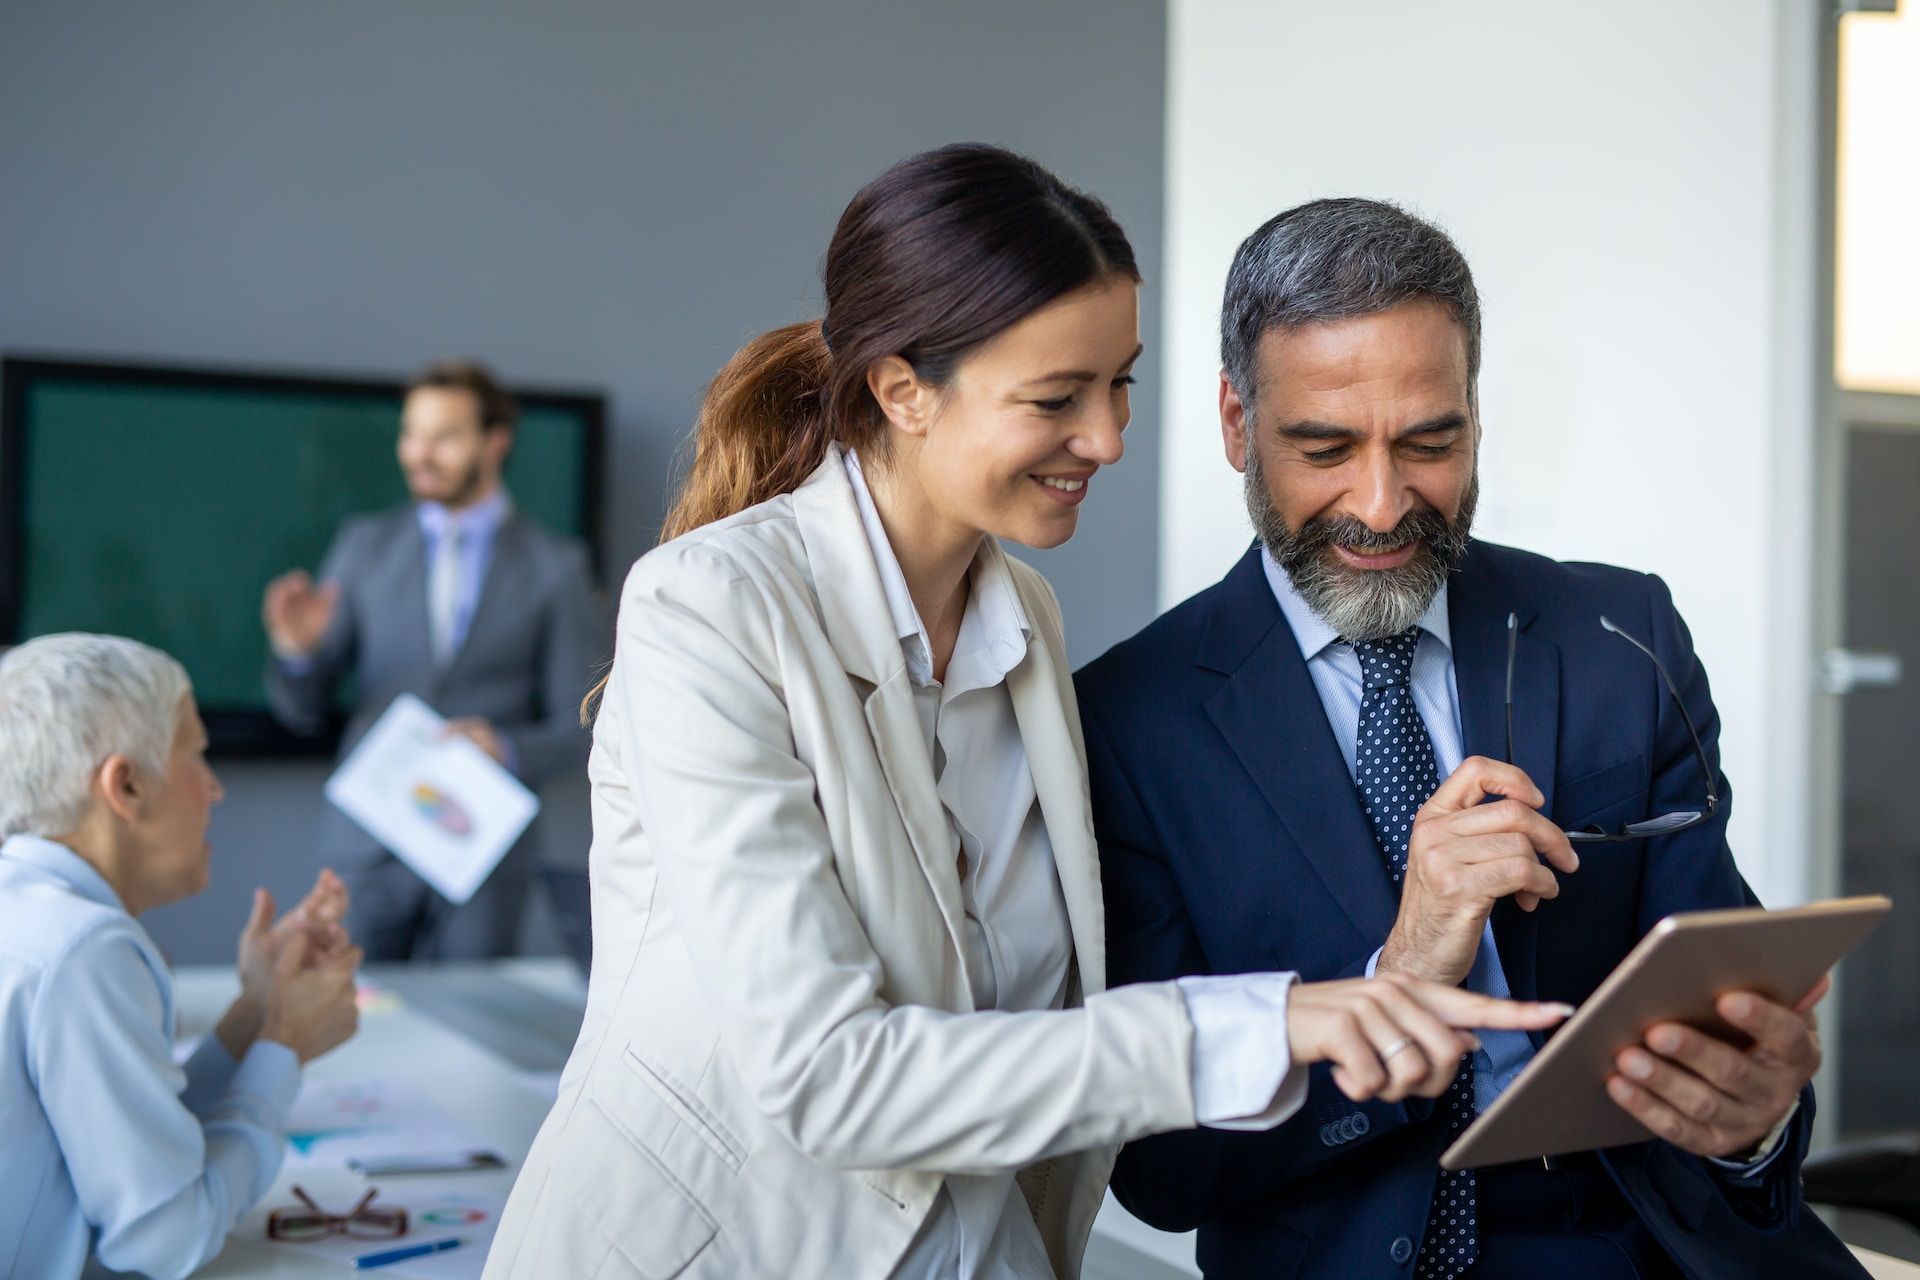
64 864
480 520
994 617
1312 631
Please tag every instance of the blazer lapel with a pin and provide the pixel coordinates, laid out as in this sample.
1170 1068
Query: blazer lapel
853 605
508 578
1271 715
1480 598
1043 707
901 745
853 608
407 596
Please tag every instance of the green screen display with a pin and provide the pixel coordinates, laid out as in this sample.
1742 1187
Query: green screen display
161 511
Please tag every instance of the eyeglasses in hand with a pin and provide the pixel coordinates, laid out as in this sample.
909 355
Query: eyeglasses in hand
1667 823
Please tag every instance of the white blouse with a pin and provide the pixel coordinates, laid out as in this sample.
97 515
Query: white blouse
1019 941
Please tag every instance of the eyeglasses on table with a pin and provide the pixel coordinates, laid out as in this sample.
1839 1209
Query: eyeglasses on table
307 1221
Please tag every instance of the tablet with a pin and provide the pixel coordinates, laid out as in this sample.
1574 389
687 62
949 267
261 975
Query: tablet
1559 1103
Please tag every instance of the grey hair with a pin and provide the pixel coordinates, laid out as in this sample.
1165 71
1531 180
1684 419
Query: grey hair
69 701
1331 259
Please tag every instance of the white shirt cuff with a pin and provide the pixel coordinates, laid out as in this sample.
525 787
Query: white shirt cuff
1243 1072
1770 1147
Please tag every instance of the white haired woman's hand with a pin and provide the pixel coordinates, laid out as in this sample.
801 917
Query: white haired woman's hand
318 920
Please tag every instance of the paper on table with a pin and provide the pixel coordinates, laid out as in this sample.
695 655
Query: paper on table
330 1124
443 805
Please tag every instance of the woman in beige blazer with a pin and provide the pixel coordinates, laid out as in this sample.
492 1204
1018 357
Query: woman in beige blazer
847 1016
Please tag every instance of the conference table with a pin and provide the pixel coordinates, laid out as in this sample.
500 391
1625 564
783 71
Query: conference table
417 1032
485 1042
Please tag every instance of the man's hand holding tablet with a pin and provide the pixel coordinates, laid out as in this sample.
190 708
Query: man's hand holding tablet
1711 1098
1691 1039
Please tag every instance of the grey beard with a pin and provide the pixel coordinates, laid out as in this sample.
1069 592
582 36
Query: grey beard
1362 604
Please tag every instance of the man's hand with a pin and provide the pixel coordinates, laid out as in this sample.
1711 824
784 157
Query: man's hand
1707 1097
482 734
296 613
1463 857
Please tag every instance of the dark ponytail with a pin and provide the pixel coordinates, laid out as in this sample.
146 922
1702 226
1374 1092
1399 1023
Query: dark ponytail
937 255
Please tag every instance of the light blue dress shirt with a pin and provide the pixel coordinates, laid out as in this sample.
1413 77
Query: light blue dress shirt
479 524
479 527
1336 677
106 1145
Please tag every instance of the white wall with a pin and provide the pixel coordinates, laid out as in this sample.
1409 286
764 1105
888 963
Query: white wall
1633 184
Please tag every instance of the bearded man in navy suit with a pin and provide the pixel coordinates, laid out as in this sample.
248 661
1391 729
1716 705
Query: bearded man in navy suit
1307 767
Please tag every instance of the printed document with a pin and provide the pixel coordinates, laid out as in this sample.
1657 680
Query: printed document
442 805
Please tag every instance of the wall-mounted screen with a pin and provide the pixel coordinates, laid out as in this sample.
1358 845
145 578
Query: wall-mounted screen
157 503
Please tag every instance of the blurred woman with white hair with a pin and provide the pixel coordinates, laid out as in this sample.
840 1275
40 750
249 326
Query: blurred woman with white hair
106 1146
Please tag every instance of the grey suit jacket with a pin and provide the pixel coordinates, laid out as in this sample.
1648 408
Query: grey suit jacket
527 660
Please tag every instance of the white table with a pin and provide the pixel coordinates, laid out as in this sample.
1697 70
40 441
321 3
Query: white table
485 1042
498 1100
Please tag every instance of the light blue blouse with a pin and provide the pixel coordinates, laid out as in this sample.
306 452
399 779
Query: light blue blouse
106 1145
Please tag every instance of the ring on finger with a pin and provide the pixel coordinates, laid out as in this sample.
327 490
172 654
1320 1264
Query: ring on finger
1404 1042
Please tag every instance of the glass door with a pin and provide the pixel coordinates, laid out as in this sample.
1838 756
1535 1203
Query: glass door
1874 671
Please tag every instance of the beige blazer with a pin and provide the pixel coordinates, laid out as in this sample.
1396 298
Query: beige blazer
780 1059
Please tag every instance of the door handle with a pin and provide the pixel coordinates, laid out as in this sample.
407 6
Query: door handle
1847 670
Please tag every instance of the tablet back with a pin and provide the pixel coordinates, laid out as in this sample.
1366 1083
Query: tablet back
1560 1103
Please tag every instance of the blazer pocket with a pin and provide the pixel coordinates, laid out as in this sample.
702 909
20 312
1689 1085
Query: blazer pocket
621 1192
1590 794
686 1105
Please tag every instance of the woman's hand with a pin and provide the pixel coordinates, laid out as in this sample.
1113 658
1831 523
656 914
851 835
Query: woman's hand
318 918
310 1005
1392 1035
316 922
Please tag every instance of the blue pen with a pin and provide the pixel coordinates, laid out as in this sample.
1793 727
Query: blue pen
368 1260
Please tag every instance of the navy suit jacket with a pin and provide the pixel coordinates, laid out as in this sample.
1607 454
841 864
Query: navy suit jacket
1232 840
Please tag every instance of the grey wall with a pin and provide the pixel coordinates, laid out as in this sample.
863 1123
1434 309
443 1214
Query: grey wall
612 195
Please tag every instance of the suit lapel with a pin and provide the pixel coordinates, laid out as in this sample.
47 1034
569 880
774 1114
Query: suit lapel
1271 715
408 597
1042 705
853 609
1479 599
507 578
901 745
853 604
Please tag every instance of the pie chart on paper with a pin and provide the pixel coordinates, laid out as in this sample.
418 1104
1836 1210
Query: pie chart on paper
438 802
441 809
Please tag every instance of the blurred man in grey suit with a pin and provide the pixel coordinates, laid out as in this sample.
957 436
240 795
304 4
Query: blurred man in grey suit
480 613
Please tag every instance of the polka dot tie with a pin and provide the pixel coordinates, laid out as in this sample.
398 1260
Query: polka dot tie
1396 773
